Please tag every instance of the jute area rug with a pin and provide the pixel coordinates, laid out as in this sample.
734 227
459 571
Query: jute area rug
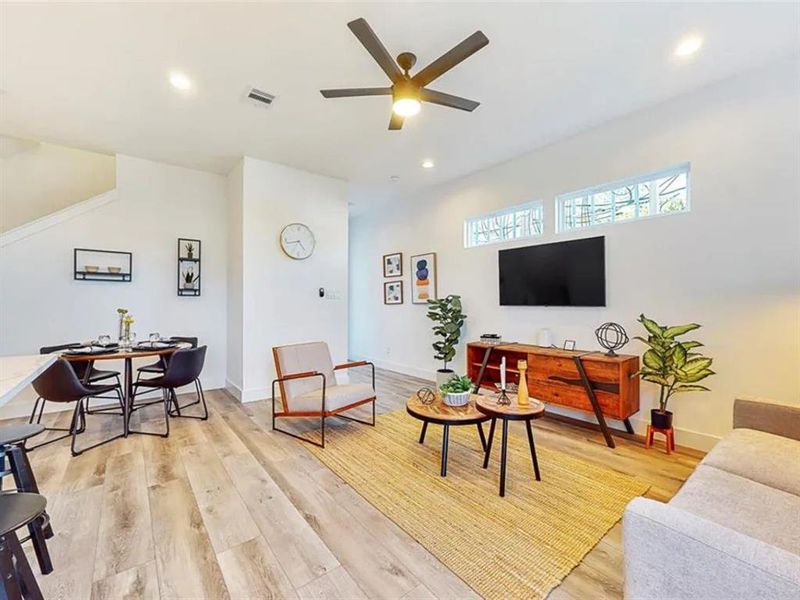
520 546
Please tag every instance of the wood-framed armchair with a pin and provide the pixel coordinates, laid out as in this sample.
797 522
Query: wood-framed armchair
308 387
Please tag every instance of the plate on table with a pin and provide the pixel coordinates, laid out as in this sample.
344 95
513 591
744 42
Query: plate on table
151 346
88 351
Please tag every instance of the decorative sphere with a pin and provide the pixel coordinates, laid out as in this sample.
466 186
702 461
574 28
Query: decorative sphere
422 274
422 264
611 336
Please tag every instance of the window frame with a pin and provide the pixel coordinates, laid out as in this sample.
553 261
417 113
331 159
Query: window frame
589 192
533 205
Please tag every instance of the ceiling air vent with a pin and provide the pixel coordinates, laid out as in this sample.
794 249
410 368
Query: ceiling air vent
260 96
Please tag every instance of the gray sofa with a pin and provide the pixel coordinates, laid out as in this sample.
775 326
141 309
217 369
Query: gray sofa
733 529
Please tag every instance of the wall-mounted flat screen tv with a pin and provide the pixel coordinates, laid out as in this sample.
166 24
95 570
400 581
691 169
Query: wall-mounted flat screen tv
561 274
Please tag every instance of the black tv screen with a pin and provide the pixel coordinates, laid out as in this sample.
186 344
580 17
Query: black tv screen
561 274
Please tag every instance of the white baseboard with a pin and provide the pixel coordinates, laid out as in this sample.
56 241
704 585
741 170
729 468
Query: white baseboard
683 437
251 395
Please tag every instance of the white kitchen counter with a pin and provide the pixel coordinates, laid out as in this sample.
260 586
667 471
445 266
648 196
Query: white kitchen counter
16 372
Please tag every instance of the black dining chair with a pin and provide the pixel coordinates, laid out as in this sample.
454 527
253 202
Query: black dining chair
160 365
183 368
16 577
60 383
81 368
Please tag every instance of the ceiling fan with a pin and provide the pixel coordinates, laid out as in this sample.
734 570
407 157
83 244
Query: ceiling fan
408 92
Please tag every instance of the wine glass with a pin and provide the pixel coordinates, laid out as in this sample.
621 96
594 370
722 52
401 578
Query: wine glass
104 340
132 339
154 338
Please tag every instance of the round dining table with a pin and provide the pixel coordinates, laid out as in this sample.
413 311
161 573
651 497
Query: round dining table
127 355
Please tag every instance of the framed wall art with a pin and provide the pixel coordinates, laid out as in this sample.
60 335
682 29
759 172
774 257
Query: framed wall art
393 265
393 292
423 278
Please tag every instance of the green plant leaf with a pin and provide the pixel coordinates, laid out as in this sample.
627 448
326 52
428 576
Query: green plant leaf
652 360
694 377
678 355
652 327
673 332
691 345
690 388
654 378
697 364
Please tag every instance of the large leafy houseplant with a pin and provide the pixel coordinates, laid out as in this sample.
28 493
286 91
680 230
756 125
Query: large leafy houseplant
448 318
672 364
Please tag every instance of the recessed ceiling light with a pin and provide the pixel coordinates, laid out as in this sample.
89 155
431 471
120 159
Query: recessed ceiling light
427 164
180 82
688 45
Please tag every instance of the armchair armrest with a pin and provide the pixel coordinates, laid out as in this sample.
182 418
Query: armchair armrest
302 375
350 365
673 554
766 415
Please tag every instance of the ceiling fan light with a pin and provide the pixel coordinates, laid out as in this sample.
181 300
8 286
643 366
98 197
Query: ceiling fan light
406 107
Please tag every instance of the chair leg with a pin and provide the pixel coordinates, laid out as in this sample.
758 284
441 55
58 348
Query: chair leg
33 412
201 399
165 400
25 481
80 412
22 574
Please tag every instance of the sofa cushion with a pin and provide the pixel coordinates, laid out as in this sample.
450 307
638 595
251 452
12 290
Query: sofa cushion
336 396
769 459
746 506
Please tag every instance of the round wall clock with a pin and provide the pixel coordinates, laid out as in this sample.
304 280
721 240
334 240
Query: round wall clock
297 241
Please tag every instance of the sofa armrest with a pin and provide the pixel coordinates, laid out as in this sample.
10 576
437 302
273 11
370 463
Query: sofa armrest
766 415
673 554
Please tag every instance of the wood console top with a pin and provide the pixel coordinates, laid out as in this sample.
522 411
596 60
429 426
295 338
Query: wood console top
555 352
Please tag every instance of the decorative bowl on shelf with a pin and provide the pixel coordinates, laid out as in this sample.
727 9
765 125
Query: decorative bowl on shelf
114 269
91 268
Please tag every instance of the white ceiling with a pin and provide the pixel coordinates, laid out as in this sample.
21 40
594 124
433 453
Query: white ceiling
96 76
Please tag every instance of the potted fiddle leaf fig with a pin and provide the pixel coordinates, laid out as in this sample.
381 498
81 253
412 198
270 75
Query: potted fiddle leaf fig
448 318
672 364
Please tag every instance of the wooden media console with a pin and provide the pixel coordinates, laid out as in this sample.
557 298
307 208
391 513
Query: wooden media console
593 382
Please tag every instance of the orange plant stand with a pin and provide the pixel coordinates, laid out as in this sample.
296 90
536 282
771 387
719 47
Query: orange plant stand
669 434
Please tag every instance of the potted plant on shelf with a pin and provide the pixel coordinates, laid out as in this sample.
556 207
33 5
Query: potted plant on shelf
190 250
671 364
456 391
189 279
447 315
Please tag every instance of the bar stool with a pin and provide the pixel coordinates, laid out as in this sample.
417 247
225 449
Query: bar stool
12 445
17 510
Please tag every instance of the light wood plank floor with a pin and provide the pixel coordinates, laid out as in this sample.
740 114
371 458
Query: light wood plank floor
227 508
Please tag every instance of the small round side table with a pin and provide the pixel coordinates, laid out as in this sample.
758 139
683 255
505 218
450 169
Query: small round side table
447 416
509 412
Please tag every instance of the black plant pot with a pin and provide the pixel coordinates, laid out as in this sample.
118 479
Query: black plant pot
662 420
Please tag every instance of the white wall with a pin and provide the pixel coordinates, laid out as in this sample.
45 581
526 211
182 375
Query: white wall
235 333
41 304
281 304
731 264
44 178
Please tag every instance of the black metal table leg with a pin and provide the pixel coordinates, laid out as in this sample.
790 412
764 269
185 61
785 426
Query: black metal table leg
128 396
503 453
533 450
483 437
489 444
628 426
445 441
598 412
423 432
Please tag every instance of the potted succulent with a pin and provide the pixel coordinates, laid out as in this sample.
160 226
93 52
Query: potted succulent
189 279
456 391
447 315
671 364
189 250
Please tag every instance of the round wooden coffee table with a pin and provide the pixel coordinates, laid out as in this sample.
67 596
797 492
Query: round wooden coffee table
441 414
489 407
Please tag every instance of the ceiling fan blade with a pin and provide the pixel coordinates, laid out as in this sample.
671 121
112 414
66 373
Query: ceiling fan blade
350 92
396 122
448 100
451 58
367 37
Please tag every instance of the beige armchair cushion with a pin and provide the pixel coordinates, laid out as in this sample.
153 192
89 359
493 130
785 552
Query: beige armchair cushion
336 397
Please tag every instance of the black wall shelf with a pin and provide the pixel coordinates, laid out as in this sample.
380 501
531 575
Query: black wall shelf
91 264
189 266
